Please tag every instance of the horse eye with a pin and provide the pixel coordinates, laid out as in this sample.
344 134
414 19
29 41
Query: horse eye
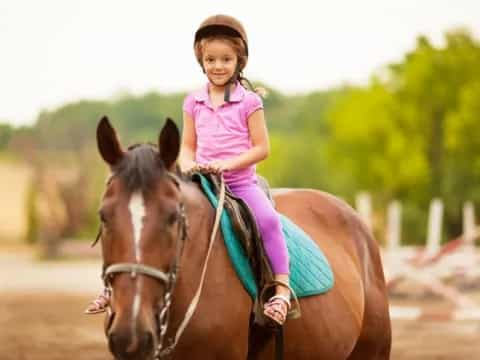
172 218
101 214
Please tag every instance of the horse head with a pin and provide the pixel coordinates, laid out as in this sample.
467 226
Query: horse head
143 229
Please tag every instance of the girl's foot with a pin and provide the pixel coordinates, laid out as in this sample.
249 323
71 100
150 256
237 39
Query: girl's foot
100 304
277 308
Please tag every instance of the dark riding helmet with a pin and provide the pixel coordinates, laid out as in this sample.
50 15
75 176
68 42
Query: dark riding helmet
221 25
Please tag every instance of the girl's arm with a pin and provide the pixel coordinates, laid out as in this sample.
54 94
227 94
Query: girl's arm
189 144
260 146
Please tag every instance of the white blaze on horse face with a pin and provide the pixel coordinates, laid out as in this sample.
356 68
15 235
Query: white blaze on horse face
137 213
135 311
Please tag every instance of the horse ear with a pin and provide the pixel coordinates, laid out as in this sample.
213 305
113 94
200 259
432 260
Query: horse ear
108 143
169 144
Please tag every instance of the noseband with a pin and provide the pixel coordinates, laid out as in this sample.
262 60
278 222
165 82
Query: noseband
168 278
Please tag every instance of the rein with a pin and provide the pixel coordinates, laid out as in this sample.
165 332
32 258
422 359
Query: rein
169 278
193 305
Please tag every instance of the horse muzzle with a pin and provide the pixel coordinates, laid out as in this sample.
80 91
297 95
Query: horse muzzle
128 346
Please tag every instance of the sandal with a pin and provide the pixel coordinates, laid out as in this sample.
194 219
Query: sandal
100 304
276 308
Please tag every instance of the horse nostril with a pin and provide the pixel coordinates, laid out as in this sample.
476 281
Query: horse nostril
114 342
148 343
131 347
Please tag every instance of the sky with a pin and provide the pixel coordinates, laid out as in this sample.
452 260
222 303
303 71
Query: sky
58 51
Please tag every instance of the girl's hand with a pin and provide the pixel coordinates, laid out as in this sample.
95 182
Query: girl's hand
204 168
218 166
196 168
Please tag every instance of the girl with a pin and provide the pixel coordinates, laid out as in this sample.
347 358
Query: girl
224 131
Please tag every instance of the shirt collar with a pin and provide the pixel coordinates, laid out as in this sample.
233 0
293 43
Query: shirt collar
235 96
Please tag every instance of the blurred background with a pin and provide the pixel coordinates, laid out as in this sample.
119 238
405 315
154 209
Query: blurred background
376 102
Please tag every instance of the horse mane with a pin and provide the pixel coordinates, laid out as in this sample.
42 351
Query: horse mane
140 168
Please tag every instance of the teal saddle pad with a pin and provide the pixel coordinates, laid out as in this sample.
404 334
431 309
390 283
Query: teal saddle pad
310 272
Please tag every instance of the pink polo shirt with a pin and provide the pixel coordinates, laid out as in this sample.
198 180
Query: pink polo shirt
223 133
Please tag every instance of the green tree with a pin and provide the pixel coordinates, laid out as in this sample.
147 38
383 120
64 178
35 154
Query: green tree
411 133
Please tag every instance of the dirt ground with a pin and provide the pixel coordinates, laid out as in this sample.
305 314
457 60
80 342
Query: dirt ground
49 326
41 317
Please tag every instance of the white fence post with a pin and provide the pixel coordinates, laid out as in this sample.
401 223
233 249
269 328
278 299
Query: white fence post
394 229
469 223
434 235
363 204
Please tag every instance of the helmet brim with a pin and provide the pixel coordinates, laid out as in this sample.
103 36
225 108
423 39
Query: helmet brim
215 30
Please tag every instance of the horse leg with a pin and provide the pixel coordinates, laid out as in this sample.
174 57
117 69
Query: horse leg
375 338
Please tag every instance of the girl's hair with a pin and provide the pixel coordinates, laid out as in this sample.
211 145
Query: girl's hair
239 47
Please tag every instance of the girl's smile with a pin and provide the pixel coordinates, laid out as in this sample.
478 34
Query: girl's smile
219 62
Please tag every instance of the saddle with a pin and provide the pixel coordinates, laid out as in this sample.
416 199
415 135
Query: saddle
310 272
245 227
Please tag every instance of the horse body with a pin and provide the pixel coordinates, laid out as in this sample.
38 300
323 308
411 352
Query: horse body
350 321
332 323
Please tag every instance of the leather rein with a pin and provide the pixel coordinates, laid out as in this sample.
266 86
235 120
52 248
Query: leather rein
169 278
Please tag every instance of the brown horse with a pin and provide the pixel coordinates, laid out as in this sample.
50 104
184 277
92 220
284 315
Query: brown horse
155 237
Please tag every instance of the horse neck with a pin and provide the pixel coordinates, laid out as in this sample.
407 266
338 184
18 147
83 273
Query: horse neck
200 218
220 279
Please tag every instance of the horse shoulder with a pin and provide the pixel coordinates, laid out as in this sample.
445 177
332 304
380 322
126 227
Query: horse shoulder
224 303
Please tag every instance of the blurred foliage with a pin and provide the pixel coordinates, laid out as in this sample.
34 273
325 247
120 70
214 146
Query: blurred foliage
5 135
411 134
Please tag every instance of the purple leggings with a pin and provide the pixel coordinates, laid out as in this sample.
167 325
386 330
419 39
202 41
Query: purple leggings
268 224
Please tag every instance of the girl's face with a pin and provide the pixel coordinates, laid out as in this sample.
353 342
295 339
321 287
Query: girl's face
219 61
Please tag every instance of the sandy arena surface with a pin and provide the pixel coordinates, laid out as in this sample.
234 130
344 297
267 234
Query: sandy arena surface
41 317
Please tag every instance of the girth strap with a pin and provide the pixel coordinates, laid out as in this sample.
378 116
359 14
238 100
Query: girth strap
279 343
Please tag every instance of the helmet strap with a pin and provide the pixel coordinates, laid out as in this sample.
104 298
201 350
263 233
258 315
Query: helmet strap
226 94
236 75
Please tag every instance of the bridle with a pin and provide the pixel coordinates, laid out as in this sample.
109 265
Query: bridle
169 278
